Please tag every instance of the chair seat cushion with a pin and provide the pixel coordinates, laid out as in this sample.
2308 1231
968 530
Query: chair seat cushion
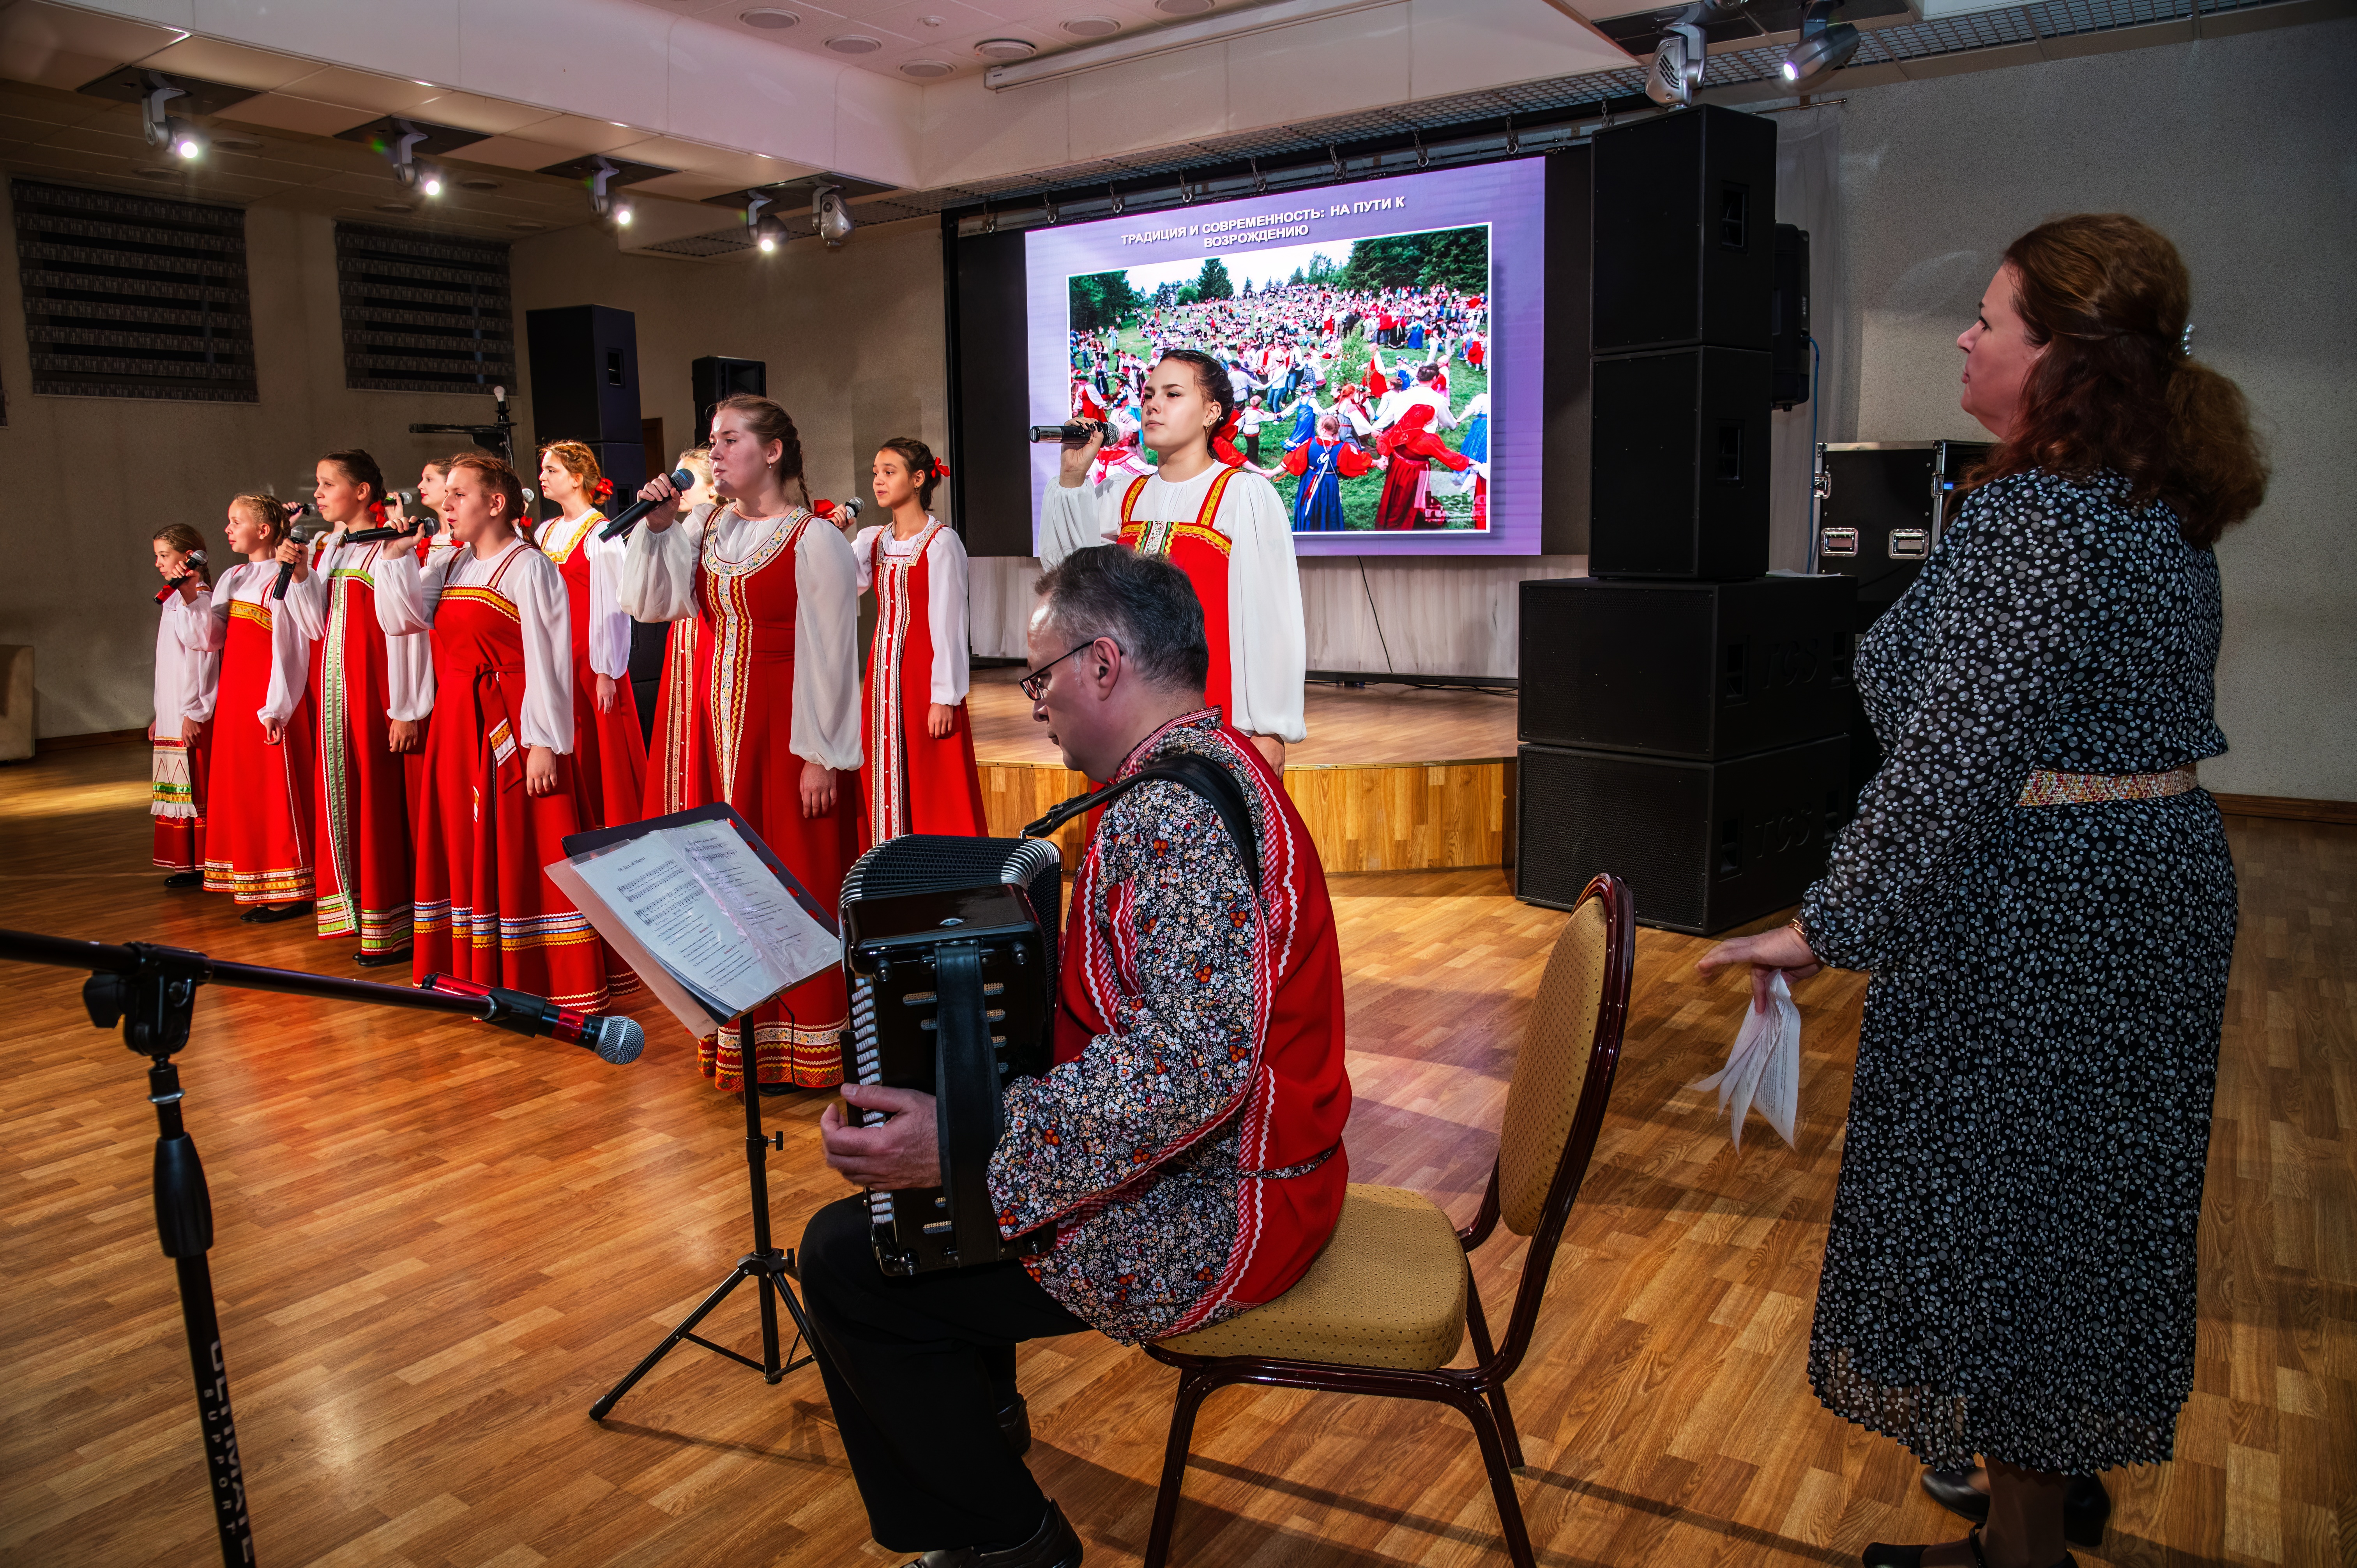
1388 1290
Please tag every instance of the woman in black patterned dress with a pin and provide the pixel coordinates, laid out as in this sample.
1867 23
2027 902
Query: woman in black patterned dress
2044 896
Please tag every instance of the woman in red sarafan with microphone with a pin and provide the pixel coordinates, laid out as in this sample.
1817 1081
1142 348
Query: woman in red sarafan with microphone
774 590
920 777
609 749
186 674
258 834
369 692
501 790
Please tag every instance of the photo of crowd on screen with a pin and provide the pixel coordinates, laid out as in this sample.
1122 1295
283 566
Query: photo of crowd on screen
1362 368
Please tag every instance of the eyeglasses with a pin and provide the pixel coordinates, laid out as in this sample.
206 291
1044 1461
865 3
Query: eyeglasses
1037 681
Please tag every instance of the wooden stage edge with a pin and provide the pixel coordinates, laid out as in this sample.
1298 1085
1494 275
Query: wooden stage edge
1417 816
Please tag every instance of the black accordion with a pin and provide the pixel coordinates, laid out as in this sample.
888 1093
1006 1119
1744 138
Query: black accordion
949 949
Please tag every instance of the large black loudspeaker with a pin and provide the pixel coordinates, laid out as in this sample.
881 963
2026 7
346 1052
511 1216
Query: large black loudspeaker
717 377
1678 474
1702 671
1790 375
585 374
1701 845
1684 214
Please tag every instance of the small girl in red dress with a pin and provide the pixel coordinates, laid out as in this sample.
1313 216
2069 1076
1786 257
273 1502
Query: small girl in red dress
609 749
258 826
919 776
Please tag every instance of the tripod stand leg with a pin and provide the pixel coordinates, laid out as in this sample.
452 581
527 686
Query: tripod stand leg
687 1328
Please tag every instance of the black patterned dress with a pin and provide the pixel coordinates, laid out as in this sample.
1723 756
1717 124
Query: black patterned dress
2010 1269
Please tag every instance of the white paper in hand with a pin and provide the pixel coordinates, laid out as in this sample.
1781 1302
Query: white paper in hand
1763 1067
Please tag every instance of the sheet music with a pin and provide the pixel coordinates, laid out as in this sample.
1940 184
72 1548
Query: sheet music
654 887
754 897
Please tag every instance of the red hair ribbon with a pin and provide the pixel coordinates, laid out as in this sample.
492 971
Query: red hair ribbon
603 490
823 508
940 469
376 512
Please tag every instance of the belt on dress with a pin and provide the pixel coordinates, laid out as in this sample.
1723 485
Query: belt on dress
2048 787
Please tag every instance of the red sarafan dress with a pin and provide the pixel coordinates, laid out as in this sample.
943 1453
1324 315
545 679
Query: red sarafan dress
187 672
361 680
914 783
775 685
485 910
609 749
258 822
667 754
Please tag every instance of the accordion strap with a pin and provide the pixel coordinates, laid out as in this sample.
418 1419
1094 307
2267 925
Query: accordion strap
968 1115
1201 774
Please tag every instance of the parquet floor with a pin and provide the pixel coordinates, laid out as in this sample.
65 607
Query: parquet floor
438 1243
1354 727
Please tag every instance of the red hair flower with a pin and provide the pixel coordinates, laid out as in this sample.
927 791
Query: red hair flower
603 490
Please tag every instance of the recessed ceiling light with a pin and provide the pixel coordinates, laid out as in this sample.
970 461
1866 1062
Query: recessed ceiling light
1092 26
769 18
1006 49
156 173
237 144
477 182
926 68
931 21
1182 7
525 224
853 44
394 207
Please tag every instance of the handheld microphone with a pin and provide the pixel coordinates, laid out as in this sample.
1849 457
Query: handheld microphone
1079 431
617 1040
196 559
681 480
300 536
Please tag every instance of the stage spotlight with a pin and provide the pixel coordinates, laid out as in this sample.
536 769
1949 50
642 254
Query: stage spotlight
161 130
1825 47
623 214
430 182
830 216
188 142
1678 59
601 201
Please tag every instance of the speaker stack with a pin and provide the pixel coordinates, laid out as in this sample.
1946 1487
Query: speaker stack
584 386
1683 715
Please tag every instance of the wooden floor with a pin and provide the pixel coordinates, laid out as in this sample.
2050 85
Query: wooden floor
438 1244
1351 728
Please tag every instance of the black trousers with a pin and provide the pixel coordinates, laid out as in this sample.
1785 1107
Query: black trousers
917 1369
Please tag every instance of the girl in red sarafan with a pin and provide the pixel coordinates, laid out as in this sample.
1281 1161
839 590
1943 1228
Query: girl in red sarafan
1412 450
258 834
186 674
775 728
609 749
370 693
502 789
920 777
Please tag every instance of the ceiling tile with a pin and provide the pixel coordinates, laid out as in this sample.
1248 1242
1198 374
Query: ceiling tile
514 153
670 151
49 44
573 135
473 112
688 186
50 66
363 89
209 60
282 112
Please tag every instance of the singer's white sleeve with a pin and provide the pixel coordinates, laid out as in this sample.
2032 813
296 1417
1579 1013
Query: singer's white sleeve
408 659
945 613
406 593
290 663
306 601
825 728
1267 644
609 624
199 665
658 577
210 630
1077 517
545 615
863 557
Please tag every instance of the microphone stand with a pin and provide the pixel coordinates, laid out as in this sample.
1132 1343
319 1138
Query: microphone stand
152 991
766 1263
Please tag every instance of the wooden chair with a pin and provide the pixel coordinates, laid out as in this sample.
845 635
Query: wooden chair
1388 1301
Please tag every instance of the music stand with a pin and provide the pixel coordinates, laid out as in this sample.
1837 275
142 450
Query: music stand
773 1269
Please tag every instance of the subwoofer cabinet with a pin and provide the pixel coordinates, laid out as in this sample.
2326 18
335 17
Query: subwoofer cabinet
1703 845
1678 465
584 375
1702 671
1684 215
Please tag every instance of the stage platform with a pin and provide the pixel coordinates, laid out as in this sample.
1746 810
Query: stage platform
1390 779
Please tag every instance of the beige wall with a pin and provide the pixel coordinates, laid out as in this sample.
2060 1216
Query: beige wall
90 479
2236 149
853 337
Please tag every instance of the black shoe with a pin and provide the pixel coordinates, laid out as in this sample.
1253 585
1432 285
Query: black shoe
1015 1426
1052 1545
185 879
270 914
1881 1556
367 959
2086 1505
